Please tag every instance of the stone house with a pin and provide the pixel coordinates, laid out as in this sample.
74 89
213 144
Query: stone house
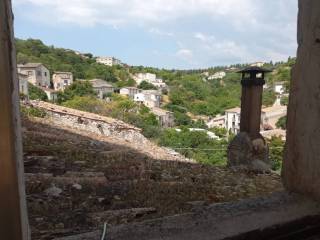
219 121
150 78
165 118
23 84
130 91
108 61
150 98
233 120
61 80
38 74
102 87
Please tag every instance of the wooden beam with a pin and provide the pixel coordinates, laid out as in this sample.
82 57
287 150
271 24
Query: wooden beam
13 213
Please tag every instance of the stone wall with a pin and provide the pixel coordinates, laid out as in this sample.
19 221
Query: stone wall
91 122
301 170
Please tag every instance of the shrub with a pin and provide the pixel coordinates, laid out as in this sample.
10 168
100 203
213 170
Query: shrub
32 112
36 93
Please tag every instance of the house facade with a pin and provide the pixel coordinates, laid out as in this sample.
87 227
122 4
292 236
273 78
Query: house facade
130 91
37 73
23 84
165 118
219 121
150 98
108 61
102 87
61 80
233 120
279 88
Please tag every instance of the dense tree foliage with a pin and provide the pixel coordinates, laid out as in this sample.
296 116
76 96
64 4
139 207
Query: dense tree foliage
147 86
276 145
77 89
196 145
36 93
282 123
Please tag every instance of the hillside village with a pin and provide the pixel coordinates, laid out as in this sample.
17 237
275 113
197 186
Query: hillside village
39 76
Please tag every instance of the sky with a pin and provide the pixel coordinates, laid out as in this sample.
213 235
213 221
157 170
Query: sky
180 34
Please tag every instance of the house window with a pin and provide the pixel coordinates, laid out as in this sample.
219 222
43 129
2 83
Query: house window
45 74
39 73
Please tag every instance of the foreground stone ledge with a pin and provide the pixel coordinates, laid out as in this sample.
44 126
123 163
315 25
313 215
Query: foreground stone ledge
215 222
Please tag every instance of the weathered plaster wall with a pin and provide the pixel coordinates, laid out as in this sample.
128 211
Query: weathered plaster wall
301 170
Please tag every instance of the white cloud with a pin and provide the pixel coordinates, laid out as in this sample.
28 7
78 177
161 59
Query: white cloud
205 32
185 55
111 12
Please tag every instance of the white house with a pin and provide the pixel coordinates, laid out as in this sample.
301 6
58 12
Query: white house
150 78
61 80
150 98
233 120
279 88
217 75
102 87
23 84
257 64
108 61
165 118
130 91
38 74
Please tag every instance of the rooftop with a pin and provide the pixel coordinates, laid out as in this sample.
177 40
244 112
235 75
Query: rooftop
63 73
159 111
274 108
234 110
254 69
100 83
30 65
155 92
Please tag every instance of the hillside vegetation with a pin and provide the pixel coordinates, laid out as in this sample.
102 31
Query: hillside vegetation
189 91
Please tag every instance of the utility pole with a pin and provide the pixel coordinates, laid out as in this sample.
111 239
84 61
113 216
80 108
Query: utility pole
13 211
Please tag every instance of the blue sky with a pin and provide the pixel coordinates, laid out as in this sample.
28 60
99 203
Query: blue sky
180 34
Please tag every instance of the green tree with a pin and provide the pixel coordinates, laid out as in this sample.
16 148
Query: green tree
36 93
282 123
78 88
147 86
276 145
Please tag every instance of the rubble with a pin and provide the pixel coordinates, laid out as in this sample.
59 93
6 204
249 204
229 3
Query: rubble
114 182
